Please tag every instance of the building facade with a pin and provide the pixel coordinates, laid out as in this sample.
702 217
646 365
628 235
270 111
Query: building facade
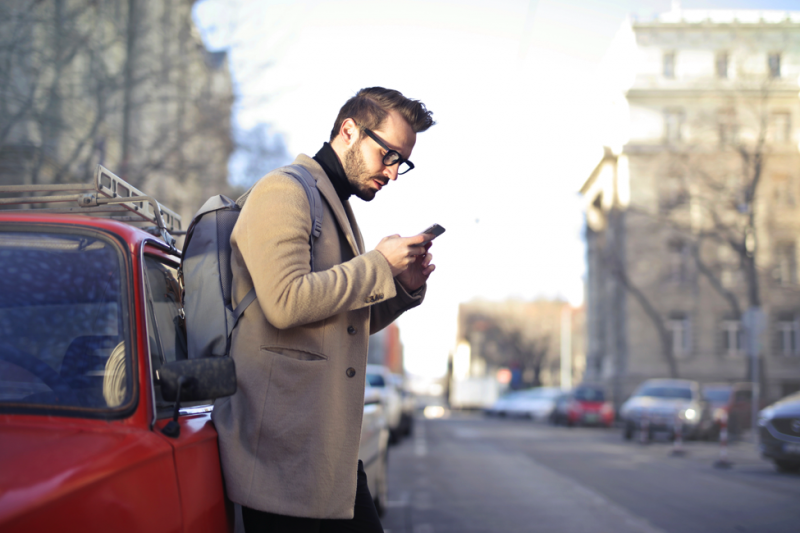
692 214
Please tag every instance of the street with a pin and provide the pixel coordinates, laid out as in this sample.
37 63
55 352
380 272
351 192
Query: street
467 473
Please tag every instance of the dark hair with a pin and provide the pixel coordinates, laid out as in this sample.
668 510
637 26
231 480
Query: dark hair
370 106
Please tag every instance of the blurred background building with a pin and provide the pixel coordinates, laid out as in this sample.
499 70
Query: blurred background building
514 344
123 83
386 349
692 214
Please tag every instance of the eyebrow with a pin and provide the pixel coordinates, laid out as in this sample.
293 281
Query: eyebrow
386 143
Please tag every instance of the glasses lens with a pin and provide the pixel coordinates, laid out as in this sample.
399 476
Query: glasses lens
391 158
404 167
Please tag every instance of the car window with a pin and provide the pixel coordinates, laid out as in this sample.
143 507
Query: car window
717 395
743 396
165 326
376 380
658 391
589 395
63 322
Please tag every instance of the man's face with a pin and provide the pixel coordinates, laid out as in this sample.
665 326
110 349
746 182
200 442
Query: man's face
363 160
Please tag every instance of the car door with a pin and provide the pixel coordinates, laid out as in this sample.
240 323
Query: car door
195 449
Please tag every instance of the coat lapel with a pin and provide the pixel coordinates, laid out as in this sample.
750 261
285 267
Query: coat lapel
326 189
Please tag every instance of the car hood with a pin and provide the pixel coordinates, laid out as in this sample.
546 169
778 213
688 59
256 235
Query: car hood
648 402
786 407
536 402
43 463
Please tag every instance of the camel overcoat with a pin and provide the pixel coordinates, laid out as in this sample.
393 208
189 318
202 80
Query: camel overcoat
289 437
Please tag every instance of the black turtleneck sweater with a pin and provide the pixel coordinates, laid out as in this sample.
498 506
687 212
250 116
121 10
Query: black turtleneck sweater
330 163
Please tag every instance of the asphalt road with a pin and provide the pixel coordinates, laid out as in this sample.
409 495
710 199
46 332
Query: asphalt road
469 474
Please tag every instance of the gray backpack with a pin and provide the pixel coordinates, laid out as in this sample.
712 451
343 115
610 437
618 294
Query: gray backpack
206 268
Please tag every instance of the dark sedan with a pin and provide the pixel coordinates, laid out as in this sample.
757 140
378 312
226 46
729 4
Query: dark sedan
779 431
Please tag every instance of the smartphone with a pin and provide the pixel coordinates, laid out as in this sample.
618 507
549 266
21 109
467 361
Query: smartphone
435 230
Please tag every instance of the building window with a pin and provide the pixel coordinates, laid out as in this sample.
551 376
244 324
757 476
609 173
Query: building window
679 328
727 126
729 267
785 272
780 127
774 64
783 189
669 65
787 328
672 194
732 338
722 65
673 124
679 262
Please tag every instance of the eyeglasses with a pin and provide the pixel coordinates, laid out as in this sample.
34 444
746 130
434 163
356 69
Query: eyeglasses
392 157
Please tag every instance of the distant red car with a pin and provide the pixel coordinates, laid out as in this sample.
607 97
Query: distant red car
584 405
91 353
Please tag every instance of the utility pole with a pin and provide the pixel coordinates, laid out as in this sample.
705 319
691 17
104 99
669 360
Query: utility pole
566 348
753 322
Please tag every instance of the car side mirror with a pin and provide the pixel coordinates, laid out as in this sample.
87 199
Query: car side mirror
195 379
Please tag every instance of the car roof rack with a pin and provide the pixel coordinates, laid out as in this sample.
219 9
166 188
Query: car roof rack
109 195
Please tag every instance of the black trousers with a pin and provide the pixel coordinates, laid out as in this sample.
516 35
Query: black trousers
365 519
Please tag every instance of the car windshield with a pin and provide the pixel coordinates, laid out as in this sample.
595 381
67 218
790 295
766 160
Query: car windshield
62 322
541 393
717 395
376 380
589 395
666 391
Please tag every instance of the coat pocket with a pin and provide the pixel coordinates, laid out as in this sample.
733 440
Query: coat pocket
294 353
296 408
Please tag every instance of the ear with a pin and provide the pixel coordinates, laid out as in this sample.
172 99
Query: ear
349 132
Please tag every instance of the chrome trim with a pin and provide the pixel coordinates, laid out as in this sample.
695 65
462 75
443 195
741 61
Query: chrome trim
196 409
166 248
778 435
143 275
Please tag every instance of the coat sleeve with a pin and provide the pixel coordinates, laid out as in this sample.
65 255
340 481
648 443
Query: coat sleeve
272 235
386 312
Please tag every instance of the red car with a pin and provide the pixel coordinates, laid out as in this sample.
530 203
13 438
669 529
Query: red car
584 405
104 423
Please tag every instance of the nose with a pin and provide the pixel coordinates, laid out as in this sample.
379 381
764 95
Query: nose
390 172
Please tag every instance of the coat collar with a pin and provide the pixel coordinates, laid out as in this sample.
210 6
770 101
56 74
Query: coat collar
342 212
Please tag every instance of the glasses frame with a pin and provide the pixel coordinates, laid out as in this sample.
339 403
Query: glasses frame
389 151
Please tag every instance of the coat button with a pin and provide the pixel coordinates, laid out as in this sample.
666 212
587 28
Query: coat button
351 372
351 330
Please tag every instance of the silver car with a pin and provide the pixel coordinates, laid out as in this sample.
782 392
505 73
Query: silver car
659 403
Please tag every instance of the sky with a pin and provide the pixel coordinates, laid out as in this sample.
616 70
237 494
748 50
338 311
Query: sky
513 86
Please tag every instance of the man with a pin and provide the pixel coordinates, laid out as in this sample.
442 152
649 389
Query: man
289 437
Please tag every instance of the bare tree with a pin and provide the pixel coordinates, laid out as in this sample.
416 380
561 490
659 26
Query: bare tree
518 337
125 83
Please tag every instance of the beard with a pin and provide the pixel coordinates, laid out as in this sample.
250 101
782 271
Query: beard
358 175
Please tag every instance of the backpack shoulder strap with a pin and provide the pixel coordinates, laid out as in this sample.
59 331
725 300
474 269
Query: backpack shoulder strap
314 200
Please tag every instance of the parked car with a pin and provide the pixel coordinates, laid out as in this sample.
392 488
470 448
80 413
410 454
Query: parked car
585 405
779 433
501 406
408 405
536 403
91 353
663 401
374 447
732 401
381 378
